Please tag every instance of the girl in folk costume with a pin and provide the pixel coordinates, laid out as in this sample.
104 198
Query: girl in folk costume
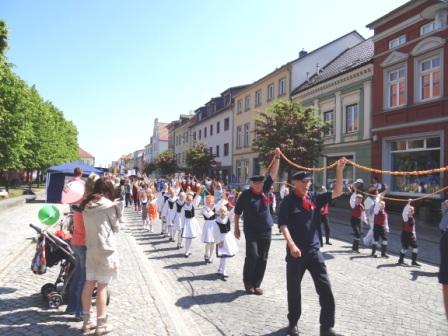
380 227
358 216
197 195
178 219
152 210
161 200
408 237
208 236
143 197
169 212
226 244
190 224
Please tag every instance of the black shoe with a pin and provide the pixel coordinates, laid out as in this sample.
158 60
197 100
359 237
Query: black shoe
414 263
293 330
328 243
328 332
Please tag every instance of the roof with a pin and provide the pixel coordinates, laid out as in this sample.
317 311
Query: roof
84 154
391 14
348 60
163 131
69 167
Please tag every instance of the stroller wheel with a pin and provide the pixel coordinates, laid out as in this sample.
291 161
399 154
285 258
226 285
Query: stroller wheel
54 300
47 289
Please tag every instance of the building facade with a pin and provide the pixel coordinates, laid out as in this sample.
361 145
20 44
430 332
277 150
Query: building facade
213 127
179 136
341 95
410 105
85 157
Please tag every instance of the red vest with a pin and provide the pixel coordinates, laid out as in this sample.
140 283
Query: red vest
409 226
357 211
380 218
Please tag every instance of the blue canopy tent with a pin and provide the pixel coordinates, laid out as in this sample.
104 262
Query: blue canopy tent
56 178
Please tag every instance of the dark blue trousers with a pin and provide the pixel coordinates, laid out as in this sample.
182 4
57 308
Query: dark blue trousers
295 269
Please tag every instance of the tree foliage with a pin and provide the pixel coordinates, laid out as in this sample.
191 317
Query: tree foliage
296 131
149 168
33 132
166 162
199 159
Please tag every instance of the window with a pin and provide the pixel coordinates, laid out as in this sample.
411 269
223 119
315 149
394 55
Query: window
238 170
397 41
226 124
282 87
427 28
247 103
396 87
200 134
194 136
210 150
238 137
217 150
246 135
205 132
211 130
415 154
218 127
270 92
429 78
329 120
258 98
239 105
226 149
351 118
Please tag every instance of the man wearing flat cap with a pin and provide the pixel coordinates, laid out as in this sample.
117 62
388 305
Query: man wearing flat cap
299 221
254 204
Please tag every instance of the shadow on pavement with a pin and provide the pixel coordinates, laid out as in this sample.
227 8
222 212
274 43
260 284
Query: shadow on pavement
392 265
360 257
416 274
327 256
7 290
282 331
185 264
189 301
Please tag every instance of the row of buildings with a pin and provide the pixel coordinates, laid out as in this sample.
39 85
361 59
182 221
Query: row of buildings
384 98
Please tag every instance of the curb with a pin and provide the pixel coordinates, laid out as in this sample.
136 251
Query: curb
20 200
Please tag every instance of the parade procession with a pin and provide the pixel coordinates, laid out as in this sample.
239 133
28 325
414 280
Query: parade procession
311 199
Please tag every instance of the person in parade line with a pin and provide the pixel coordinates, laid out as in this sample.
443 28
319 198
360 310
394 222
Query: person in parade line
135 189
357 217
226 244
299 221
208 237
161 200
178 219
408 236
325 222
143 198
100 216
169 212
443 269
190 228
152 210
380 227
253 204
128 195
272 201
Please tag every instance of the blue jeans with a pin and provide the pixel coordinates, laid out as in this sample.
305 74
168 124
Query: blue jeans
79 278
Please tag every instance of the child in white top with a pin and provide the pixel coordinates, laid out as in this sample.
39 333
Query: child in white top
208 237
190 224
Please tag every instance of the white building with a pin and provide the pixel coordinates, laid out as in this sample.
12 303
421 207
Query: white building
158 142
214 127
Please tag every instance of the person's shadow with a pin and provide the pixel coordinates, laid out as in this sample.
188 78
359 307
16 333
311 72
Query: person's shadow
187 302
416 274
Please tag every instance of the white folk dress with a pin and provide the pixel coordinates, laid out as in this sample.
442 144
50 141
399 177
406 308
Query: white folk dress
169 210
208 229
191 227
178 218
223 234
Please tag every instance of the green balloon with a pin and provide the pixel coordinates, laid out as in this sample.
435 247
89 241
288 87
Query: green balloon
48 214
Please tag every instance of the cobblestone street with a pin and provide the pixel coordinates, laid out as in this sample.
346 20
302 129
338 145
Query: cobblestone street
160 292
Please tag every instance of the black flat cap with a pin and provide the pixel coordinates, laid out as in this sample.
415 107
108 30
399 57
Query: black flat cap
301 175
257 178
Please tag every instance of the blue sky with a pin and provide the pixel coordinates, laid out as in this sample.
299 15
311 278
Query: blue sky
113 66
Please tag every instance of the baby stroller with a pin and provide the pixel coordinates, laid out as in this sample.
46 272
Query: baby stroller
52 250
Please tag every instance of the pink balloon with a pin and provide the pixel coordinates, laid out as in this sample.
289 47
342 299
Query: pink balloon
73 192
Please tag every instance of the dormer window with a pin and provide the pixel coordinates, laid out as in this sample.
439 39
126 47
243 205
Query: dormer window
397 41
427 28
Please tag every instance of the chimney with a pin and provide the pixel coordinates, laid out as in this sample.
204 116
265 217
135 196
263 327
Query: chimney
302 53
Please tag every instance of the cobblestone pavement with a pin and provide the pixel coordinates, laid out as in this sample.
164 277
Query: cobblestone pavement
373 296
138 302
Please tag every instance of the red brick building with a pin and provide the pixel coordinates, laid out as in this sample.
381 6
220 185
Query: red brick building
410 95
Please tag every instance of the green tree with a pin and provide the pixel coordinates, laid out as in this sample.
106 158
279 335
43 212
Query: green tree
166 162
149 168
296 131
3 37
199 159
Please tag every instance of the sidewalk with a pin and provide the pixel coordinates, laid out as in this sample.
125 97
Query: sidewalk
428 237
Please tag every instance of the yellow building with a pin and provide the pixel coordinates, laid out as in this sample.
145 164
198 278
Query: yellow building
248 102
